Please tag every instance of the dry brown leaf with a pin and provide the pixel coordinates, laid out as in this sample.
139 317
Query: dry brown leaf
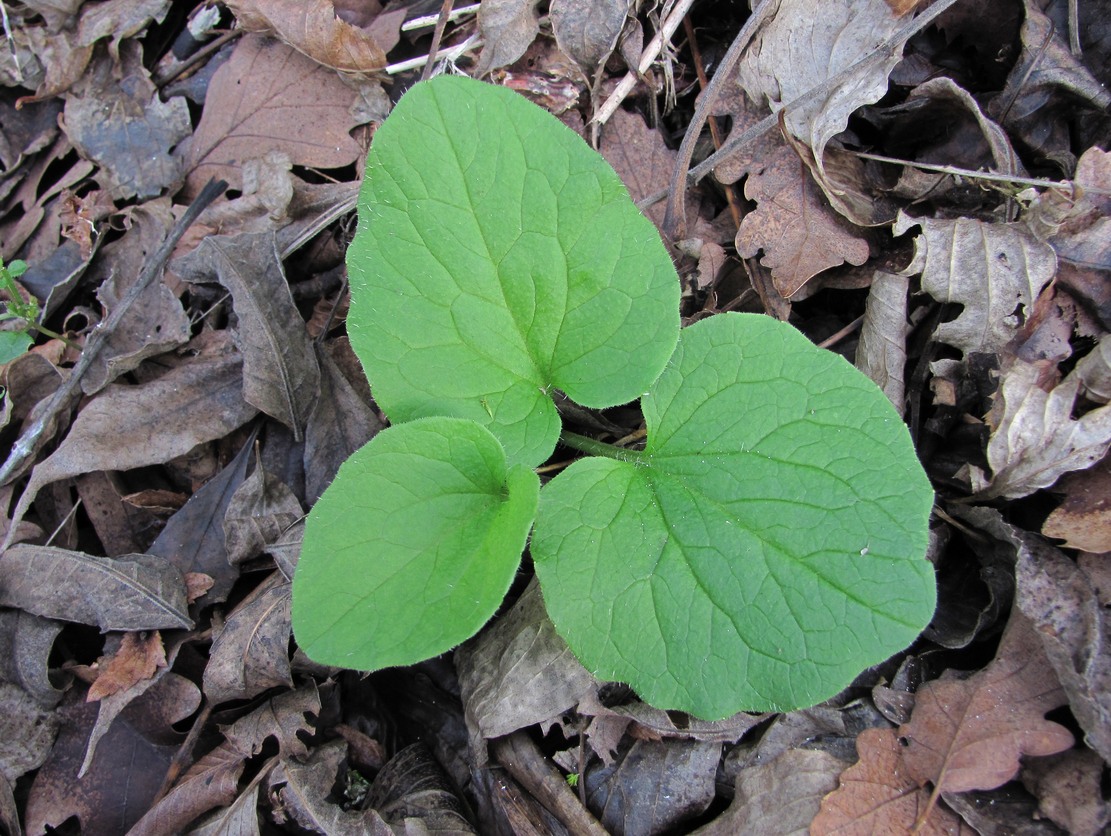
251 652
126 427
280 373
587 30
793 224
138 657
26 643
1072 622
882 351
1069 793
27 732
1083 520
132 592
1035 439
778 798
878 795
995 271
115 117
507 28
969 734
1094 371
260 511
269 96
312 27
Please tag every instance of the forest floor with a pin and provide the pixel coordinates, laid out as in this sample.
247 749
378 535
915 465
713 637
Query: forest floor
923 189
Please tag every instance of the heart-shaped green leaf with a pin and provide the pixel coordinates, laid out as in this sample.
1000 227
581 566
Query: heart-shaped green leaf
765 548
443 524
497 258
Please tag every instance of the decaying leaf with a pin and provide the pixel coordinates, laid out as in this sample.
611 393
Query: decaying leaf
132 592
995 271
269 96
251 653
138 657
968 734
280 373
588 31
27 732
1035 438
779 798
26 642
260 511
1068 787
1083 520
507 27
882 352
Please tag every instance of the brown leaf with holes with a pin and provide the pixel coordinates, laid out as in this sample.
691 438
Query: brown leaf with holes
138 657
969 734
878 795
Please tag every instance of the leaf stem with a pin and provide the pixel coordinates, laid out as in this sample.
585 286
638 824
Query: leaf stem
598 448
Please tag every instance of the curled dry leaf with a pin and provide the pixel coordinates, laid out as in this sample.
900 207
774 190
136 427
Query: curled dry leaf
1035 438
507 28
1083 520
132 592
260 511
969 734
588 30
312 27
882 351
280 373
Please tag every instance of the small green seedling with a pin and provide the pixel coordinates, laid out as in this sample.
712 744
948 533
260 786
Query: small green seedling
25 312
765 547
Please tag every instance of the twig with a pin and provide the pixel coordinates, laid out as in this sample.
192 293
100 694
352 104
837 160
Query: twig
68 392
674 219
528 766
969 173
473 42
430 20
437 36
651 52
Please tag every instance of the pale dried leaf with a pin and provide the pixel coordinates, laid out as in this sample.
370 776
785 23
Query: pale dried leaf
241 818
312 28
799 50
507 28
1094 371
132 592
587 30
269 96
994 270
779 798
882 351
1036 439
969 734
878 795
251 653
280 373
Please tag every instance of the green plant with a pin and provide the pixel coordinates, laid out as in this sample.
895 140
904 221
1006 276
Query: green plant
766 545
15 342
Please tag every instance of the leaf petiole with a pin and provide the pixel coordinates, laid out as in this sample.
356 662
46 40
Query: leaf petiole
599 448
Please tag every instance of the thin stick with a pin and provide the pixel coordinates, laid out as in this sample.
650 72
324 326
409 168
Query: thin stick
473 42
68 392
430 20
437 36
651 52
969 173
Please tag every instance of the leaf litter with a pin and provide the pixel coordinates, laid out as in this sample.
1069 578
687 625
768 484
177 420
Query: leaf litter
153 494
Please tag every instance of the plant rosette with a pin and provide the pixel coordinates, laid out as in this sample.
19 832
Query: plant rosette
765 547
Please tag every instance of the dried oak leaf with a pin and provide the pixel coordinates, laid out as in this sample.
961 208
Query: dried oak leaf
994 270
878 795
969 734
313 28
269 96
1035 439
793 224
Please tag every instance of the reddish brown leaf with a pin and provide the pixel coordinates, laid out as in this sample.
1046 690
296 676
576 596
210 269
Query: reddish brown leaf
1084 519
269 96
969 734
878 795
138 657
